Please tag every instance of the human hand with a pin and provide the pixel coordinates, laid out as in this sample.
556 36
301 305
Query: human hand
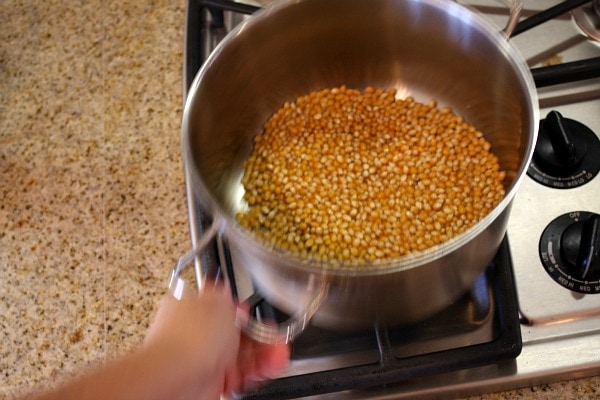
207 355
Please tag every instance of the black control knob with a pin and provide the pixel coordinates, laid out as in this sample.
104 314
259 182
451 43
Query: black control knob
559 149
580 247
570 251
567 153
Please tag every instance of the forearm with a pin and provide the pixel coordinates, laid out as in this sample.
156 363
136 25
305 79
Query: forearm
149 374
191 351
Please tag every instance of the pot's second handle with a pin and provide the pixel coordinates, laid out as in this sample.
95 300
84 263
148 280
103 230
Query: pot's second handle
514 7
262 332
287 331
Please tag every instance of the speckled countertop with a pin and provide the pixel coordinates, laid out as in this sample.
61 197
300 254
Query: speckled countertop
92 201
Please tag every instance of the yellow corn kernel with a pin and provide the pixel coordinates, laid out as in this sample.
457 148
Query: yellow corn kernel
348 175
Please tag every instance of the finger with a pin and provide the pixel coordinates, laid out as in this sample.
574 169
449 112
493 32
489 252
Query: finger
274 360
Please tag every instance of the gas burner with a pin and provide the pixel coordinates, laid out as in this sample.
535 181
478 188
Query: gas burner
587 19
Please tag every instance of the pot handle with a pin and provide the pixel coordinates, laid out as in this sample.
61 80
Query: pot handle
514 7
284 332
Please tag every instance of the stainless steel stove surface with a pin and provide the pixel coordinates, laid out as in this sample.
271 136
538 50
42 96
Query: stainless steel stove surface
556 285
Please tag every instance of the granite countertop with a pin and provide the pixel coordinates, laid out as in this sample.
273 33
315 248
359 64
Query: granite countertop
93 210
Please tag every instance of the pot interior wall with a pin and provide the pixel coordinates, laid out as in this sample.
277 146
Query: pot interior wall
425 50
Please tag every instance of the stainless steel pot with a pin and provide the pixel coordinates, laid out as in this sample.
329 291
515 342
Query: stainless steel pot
429 49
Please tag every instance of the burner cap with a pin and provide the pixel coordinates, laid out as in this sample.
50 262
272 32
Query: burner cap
587 18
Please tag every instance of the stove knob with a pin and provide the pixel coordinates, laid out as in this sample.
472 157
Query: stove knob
580 248
560 148
569 250
566 155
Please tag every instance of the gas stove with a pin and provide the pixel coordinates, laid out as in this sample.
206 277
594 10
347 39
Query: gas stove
534 316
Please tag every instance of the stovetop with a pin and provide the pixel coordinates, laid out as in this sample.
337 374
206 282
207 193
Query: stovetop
559 314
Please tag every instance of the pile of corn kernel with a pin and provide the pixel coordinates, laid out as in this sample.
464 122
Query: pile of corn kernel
348 175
